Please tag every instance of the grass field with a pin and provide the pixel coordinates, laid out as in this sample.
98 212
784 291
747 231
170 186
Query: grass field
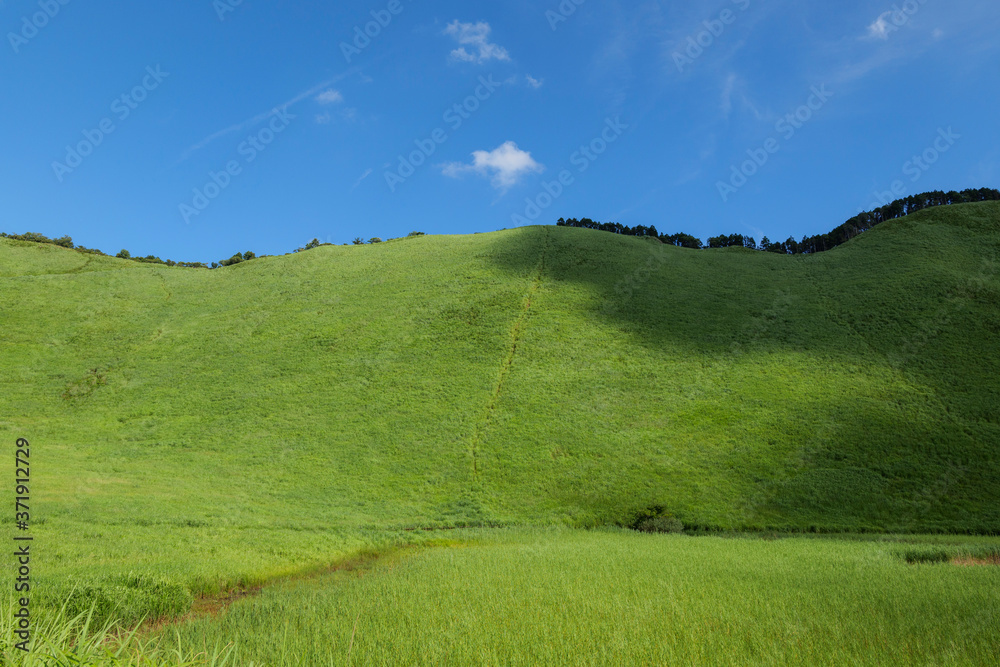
193 431
577 598
571 597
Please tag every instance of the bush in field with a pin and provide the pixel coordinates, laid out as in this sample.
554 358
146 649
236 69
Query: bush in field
656 519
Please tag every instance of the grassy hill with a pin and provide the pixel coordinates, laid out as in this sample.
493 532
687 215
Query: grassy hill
215 428
535 375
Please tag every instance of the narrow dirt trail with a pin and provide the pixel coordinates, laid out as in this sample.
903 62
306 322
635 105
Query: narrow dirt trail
507 364
210 606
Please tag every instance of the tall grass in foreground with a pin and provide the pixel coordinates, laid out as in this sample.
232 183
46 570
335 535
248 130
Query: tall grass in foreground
61 639
620 598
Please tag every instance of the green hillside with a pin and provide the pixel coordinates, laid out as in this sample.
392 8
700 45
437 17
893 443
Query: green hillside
539 375
193 431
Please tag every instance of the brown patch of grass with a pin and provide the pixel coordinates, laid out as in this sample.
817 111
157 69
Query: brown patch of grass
965 561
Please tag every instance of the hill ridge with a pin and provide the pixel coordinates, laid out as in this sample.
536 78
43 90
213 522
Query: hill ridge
857 225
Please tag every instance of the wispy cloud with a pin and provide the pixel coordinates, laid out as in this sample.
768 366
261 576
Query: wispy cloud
506 165
368 172
330 96
261 117
621 52
476 36
728 86
533 82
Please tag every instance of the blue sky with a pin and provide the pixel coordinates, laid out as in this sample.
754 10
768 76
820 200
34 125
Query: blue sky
254 125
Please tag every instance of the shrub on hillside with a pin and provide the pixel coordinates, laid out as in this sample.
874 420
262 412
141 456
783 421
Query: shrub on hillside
89 251
656 519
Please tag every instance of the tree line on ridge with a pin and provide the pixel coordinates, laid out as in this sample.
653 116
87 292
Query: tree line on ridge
809 244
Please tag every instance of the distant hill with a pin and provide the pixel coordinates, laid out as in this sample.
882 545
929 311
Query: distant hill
538 375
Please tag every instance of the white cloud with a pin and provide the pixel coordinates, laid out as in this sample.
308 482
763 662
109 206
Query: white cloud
506 164
533 82
476 36
881 28
347 114
330 96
